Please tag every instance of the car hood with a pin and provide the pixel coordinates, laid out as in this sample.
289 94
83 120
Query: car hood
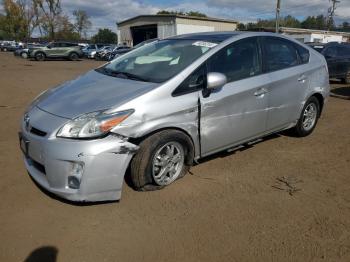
89 93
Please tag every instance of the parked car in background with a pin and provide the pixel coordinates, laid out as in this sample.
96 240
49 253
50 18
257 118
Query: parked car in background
338 59
91 49
23 52
101 53
156 110
9 46
118 50
123 49
66 50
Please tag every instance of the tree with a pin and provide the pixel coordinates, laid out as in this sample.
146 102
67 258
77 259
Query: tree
13 23
65 29
49 12
189 13
241 27
316 22
346 25
29 10
105 36
290 21
82 22
195 13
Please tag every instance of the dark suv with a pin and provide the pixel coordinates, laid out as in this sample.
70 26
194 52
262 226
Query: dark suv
338 59
70 51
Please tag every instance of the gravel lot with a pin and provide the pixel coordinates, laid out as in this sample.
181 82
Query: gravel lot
232 207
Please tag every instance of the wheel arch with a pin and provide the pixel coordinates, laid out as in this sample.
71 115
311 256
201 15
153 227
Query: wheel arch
192 150
320 99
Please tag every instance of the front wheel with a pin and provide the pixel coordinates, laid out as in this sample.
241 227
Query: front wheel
308 118
162 158
24 55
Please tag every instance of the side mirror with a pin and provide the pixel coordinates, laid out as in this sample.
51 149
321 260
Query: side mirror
216 80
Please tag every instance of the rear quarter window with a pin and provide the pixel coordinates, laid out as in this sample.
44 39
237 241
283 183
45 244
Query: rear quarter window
304 54
279 54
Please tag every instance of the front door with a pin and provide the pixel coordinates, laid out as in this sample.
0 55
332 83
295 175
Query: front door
236 112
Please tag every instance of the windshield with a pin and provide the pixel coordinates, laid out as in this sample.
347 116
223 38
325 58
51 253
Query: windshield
159 61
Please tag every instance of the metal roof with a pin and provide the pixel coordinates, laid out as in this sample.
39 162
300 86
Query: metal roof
179 16
208 36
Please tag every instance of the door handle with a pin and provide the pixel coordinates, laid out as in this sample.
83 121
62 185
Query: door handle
260 92
302 78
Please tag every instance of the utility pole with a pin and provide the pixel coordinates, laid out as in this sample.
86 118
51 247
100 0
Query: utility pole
331 12
278 9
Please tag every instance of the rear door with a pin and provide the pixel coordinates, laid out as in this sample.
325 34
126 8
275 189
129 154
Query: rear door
288 81
237 111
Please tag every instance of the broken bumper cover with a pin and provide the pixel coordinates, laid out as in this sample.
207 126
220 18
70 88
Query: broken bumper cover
51 162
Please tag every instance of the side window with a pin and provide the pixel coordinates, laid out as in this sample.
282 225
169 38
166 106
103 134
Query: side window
343 51
304 54
237 61
279 54
195 81
331 51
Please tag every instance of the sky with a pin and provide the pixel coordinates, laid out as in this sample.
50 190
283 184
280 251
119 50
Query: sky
105 13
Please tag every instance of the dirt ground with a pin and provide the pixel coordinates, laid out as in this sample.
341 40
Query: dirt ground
232 207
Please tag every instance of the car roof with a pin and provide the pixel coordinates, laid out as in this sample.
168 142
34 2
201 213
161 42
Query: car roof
208 36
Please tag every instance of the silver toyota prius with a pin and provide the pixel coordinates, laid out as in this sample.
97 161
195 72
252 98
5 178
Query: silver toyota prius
156 110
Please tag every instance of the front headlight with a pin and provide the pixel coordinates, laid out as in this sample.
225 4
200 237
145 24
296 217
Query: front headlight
93 124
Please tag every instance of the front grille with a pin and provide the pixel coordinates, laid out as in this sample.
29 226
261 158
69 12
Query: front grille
37 132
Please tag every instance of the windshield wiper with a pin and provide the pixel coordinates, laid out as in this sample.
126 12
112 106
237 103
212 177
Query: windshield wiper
127 75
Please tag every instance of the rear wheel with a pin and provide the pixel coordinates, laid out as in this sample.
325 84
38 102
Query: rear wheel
40 56
73 56
24 55
162 158
346 80
308 118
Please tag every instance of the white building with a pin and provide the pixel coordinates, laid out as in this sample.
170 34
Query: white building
137 29
315 36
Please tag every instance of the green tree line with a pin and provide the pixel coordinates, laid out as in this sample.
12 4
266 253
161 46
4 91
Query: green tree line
21 18
319 22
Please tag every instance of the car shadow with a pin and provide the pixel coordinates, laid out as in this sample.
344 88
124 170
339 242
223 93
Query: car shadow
240 148
43 254
56 59
341 92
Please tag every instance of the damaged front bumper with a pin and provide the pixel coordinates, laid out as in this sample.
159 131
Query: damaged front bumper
78 170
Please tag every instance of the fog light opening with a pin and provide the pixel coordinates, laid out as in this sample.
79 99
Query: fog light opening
75 175
73 182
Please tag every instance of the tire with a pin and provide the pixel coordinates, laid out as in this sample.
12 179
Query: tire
346 80
24 55
308 118
39 56
153 157
4 49
73 56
